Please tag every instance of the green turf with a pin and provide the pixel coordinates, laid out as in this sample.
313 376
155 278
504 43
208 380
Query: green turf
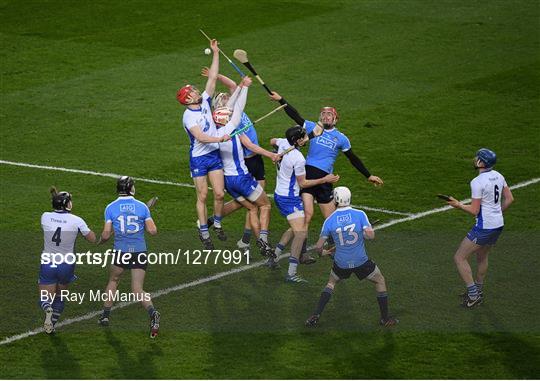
419 85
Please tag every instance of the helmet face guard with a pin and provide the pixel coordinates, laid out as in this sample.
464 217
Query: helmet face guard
61 201
328 117
189 95
295 134
222 115
220 100
125 186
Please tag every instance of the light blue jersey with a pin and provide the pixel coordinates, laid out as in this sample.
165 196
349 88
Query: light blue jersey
128 218
346 226
323 149
251 133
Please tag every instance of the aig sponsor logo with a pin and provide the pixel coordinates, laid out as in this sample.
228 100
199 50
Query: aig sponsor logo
326 142
127 208
344 218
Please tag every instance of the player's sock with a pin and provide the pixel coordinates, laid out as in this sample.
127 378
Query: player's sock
58 307
479 286
304 247
325 297
264 235
247 236
106 312
279 248
293 265
382 299
150 310
44 304
472 291
217 221
204 231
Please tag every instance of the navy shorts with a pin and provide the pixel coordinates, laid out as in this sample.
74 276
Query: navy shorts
323 193
255 165
289 206
201 165
361 271
62 273
241 185
129 261
484 236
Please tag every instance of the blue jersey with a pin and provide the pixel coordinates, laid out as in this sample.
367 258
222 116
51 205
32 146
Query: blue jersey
251 133
323 149
128 218
346 226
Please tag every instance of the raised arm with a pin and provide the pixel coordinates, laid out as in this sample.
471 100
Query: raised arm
229 83
214 69
290 110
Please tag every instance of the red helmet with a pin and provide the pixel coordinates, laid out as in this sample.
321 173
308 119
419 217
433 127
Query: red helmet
332 111
183 95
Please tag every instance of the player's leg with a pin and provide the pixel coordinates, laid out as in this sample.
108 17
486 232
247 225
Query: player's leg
137 284
308 200
46 297
298 227
201 189
326 294
284 241
482 267
115 273
218 187
326 210
461 259
375 276
246 236
58 303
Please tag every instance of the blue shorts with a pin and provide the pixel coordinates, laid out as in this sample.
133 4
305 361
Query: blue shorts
289 206
62 274
201 165
241 185
484 236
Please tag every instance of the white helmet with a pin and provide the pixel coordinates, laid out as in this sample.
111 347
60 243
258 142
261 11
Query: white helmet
222 115
342 196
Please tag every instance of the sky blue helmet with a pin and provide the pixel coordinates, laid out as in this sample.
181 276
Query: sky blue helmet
486 156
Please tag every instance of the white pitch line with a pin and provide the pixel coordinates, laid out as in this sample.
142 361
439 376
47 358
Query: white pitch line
154 181
85 172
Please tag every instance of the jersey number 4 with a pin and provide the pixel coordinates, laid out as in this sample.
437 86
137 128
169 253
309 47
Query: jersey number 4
56 236
350 235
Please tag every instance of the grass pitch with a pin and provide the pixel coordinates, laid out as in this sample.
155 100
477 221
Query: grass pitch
419 85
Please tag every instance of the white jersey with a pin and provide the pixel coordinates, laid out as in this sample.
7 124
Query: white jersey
232 156
60 230
488 186
293 164
201 117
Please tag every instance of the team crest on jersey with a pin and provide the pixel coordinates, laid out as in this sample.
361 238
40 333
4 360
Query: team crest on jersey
326 142
127 208
344 218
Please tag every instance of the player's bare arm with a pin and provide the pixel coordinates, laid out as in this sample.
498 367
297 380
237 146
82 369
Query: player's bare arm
508 198
369 233
305 183
90 237
214 69
320 244
204 138
473 208
107 232
246 142
226 81
150 226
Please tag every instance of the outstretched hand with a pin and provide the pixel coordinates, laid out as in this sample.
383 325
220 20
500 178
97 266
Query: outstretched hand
453 202
225 138
246 82
204 71
377 181
214 46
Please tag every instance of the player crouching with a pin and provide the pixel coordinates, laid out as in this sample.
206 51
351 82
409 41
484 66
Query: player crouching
60 230
128 218
291 176
349 227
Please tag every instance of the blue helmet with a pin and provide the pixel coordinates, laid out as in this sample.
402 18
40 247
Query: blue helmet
486 156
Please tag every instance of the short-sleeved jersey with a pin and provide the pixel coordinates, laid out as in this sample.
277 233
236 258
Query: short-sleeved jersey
128 217
251 133
201 117
346 226
60 230
488 187
323 149
232 152
292 164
